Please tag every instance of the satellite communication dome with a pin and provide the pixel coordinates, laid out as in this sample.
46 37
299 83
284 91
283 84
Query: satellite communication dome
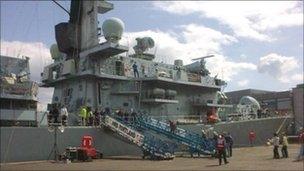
112 29
247 100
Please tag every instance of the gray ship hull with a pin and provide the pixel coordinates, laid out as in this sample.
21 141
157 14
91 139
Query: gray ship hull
30 144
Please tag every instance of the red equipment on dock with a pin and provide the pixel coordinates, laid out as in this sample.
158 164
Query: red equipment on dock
86 152
86 145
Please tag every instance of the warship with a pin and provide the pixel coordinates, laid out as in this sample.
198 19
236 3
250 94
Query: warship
87 72
18 93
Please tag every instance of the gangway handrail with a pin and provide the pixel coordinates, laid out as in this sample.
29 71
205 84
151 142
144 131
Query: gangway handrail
124 131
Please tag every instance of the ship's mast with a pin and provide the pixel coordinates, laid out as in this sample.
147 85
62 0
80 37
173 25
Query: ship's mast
81 32
84 17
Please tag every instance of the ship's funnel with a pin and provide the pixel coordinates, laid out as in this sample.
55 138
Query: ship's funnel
112 29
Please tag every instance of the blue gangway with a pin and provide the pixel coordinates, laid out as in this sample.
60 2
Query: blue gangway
151 146
195 142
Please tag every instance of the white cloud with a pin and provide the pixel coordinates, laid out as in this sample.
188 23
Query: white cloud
297 78
243 83
39 56
226 68
246 19
279 67
243 57
194 41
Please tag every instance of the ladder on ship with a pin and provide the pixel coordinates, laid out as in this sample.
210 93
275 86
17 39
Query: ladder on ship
151 146
195 142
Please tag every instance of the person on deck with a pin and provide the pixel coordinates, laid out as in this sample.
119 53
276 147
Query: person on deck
55 113
64 115
135 70
96 117
83 114
89 116
133 115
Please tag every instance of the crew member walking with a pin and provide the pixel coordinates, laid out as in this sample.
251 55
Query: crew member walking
221 143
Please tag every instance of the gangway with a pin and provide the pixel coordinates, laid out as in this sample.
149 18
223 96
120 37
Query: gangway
195 142
156 148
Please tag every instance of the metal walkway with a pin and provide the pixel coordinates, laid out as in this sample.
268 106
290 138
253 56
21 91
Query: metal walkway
195 142
151 146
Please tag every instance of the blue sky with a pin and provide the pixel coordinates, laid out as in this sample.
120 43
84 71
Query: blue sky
257 44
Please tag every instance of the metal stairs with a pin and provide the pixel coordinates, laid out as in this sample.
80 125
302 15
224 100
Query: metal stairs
151 146
195 142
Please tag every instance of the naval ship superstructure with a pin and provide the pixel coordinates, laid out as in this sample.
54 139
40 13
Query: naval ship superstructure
18 94
100 75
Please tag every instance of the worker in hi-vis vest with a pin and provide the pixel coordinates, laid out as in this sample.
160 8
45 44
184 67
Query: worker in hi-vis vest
83 114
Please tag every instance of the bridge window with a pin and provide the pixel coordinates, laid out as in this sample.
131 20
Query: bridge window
119 68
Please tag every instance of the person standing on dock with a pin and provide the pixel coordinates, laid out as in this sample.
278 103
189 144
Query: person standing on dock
301 141
276 142
229 141
251 137
284 146
221 144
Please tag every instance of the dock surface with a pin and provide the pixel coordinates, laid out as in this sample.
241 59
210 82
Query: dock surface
249 158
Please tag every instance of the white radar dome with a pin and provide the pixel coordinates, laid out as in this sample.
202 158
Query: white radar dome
55 53
112 29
